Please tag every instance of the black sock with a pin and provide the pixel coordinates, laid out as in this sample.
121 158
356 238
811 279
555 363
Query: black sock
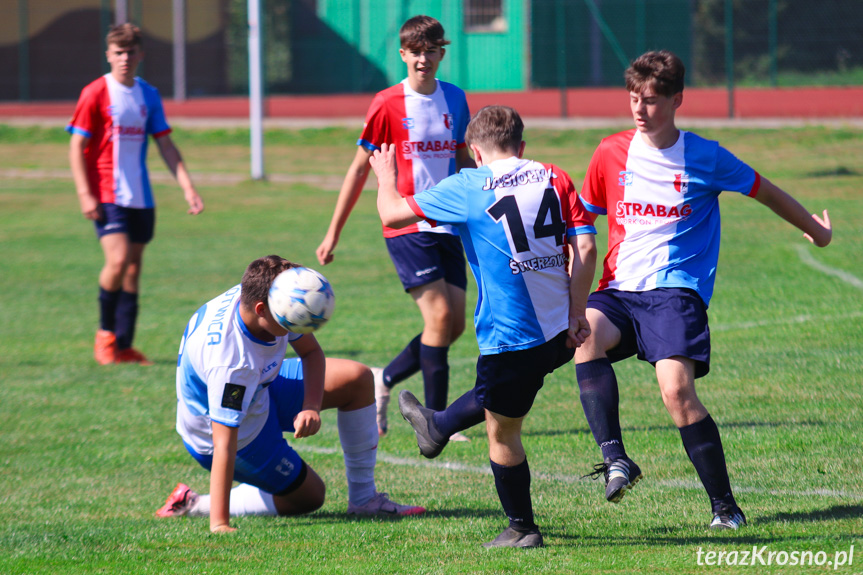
108 308
513 489
463 413
435 368
404 365
704 448
127 315
597 386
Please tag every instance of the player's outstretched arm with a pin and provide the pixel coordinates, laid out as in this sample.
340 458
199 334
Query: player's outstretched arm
308 420
581 279
174 161
222 476
352 187
77 161
817 230
394 210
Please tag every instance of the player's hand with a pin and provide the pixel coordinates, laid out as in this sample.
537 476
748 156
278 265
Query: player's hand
325 251
90 208
222 528
383 162
578 332
196 204
825 237
307 423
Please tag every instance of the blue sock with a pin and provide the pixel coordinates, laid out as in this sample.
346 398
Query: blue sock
435 368
404 365
108 308
597 386
704 448
127 315
513 489
463 413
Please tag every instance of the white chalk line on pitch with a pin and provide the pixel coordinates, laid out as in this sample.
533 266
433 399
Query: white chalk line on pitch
572 479
806 258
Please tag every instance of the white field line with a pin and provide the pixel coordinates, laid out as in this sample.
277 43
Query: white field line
573 479
806 258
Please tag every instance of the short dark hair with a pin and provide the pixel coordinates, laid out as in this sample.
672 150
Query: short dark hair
124 35
661 70
495 128
259 277
422 32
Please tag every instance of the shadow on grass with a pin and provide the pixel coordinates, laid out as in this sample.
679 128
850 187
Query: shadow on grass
455 513
829 514
670 426
831 172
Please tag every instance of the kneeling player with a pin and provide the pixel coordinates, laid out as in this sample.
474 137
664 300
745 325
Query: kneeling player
236 396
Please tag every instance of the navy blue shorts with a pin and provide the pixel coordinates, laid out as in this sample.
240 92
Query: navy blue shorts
507 383
137 223
268 462
657 324
424 257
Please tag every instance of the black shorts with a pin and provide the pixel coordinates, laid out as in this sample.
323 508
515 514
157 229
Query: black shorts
657 324
424 257
507 383
137 223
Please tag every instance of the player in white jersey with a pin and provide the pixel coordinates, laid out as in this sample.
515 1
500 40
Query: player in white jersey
236 396
113 120
518 219
659 187
426 118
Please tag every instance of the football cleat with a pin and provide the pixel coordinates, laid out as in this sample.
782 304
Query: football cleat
382 399
179 502
727 516
421 419
131 355
512 538
381 506
105 348
620 475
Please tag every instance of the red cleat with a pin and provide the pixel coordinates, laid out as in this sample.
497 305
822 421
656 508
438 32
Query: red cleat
179 502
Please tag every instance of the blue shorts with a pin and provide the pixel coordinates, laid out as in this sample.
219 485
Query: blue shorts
268 462
507 383
424 257
137 223
657 324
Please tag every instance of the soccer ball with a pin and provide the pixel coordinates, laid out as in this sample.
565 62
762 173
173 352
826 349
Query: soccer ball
301 300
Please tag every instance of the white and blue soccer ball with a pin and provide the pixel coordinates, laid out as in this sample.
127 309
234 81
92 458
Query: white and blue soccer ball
301 300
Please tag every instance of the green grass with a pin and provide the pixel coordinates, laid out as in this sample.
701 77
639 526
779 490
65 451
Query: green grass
88 453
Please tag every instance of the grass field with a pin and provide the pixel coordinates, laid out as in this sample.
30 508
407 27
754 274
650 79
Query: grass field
89 453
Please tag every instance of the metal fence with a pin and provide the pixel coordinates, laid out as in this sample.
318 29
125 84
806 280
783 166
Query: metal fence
50 48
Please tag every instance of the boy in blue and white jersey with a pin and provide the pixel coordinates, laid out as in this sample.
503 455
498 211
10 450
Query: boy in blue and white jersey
236 396
517 218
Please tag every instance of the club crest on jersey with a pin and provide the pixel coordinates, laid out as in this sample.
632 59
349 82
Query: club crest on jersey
624 178
448 121
681 182
407 123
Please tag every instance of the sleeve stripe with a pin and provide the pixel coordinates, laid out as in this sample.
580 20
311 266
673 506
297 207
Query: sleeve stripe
367 145
79 131
579 230
593 209
756 185
418 210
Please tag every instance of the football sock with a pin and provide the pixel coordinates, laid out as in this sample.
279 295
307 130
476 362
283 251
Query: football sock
358 433
404 365
245 500
126 316
704 448
513 489
435 368
463 413
107 308
597 386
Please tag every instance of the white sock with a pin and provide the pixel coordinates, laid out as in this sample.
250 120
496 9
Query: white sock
245 500
358 433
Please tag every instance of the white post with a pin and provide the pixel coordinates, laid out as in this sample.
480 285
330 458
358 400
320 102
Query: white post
256 105
179 13
121 12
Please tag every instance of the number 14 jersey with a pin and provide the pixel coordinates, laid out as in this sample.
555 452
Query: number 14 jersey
513 217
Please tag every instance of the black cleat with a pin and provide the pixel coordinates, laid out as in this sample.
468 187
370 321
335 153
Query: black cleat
620 475
420 419
512 538
727 516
